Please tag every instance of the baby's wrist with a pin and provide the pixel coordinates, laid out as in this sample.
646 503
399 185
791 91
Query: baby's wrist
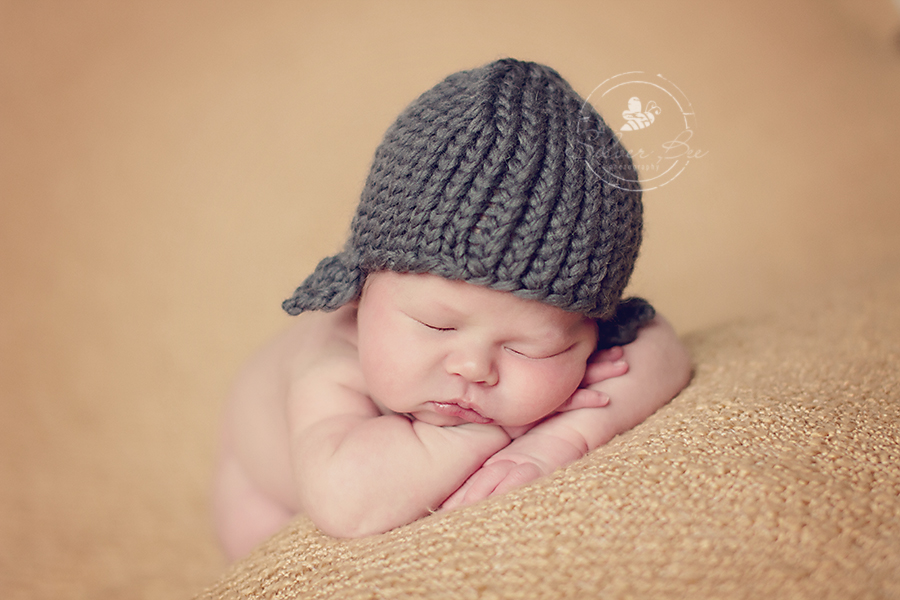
488 436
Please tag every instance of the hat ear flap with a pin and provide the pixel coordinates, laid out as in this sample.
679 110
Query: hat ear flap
333 284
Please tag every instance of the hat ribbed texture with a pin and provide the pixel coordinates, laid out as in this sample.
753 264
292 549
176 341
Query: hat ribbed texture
495 177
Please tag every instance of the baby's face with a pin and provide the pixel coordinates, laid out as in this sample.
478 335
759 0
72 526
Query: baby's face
450 352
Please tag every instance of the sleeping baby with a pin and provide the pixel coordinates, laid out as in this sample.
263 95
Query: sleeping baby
470 337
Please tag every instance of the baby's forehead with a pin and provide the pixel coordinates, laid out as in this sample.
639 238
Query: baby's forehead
456 296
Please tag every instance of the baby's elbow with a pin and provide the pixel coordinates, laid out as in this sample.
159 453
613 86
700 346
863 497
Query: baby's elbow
348 514
332 515
338 524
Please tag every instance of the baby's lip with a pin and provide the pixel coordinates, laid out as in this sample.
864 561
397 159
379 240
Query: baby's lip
460 411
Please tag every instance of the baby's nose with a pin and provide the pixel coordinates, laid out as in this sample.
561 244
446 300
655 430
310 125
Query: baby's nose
476 365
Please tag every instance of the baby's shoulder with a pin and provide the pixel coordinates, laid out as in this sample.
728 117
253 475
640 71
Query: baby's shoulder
312 341
313 335
315 357
320 345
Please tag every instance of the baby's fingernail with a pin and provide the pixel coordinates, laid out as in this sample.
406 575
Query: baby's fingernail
619 363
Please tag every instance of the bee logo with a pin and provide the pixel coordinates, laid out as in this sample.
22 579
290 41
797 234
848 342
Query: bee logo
639 119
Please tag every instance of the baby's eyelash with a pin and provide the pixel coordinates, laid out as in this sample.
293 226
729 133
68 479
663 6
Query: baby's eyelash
427 324
538 357
435 327
508 349
522 354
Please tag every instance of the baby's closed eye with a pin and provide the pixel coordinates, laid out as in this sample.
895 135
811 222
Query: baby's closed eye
537 353
431 322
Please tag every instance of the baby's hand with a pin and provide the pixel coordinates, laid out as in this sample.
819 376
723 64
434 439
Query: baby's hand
604 364
496 478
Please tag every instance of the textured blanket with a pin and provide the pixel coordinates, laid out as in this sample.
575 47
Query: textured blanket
775 474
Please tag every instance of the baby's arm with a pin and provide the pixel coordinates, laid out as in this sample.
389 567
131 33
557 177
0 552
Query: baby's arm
658 368
358 472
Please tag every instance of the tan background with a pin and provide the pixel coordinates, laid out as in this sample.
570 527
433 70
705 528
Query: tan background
169 171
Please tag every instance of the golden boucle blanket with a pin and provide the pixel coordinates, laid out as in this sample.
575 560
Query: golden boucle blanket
774 474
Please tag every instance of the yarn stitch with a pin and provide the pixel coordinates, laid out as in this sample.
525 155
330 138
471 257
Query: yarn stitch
494 177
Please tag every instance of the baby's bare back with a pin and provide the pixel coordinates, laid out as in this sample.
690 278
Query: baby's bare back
255 424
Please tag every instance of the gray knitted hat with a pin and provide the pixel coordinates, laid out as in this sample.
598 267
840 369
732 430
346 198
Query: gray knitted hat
495 177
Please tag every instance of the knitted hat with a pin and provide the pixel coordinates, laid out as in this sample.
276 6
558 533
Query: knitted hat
495 176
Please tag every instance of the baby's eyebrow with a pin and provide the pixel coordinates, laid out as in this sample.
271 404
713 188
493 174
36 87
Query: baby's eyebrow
444 308
557 335
549 336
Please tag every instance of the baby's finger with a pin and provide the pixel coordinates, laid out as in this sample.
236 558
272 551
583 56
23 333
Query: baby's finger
609 354
479 485
453 501
456 498
585 398
601 371
519 476
484 482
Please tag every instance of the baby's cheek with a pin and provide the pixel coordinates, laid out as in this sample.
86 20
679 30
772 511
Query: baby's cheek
549 386
379 378
565 373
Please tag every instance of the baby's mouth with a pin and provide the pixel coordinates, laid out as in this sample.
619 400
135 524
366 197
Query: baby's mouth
452 409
